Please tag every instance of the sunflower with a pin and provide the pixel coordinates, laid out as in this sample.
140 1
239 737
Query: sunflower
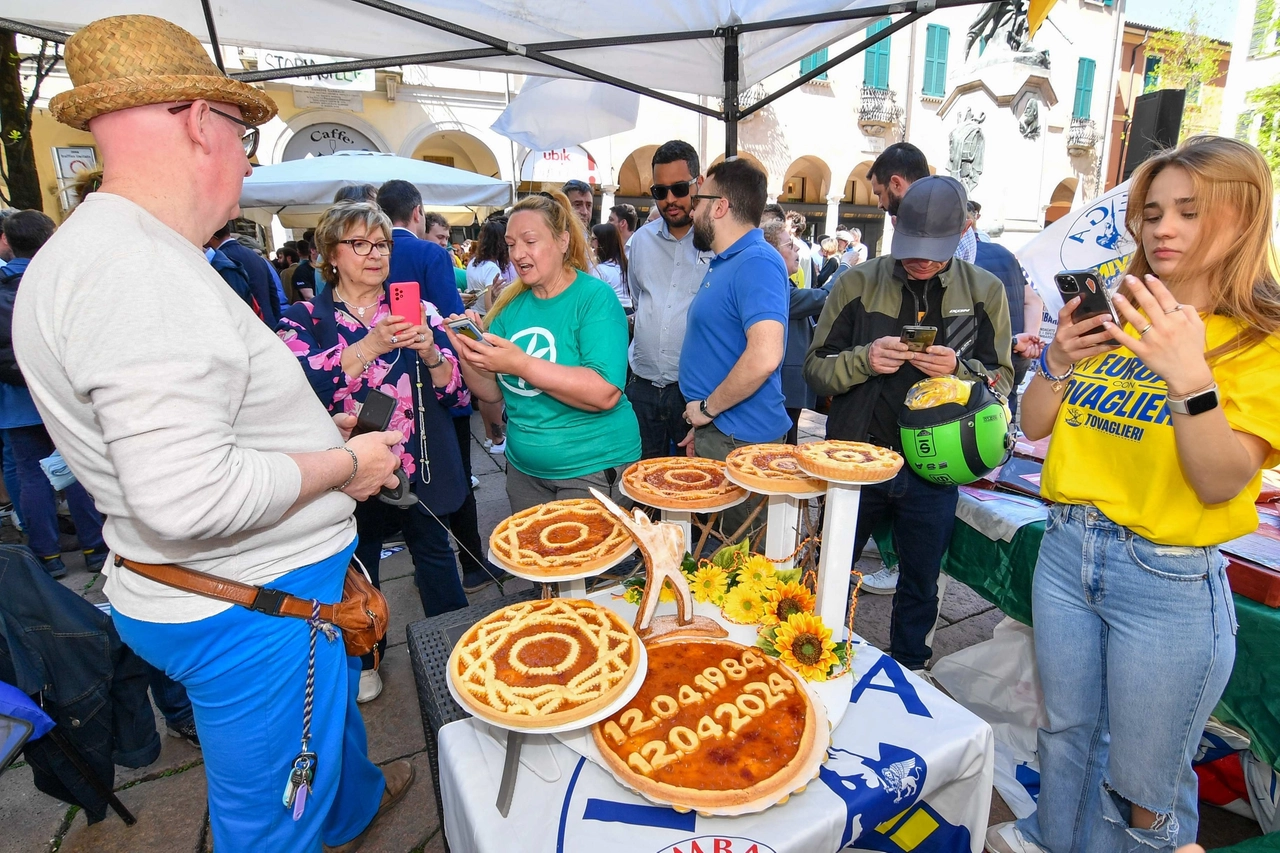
805 645
633 594
758 572
787 599
667 593
744 604
709 584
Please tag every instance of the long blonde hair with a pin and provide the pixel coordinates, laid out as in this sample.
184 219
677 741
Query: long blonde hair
1232 190
560 218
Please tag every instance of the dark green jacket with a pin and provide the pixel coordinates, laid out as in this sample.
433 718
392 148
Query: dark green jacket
864 306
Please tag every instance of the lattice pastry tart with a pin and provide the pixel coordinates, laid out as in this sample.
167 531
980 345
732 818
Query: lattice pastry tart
680 483
771 468
558 537
848 461
544 663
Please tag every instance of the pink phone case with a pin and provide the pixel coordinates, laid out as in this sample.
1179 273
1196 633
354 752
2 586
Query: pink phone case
406 301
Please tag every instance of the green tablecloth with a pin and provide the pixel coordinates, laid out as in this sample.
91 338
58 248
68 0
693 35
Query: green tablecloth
1001 573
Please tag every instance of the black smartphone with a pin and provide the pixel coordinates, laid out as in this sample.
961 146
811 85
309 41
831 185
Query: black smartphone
375 414
919 338
1094 299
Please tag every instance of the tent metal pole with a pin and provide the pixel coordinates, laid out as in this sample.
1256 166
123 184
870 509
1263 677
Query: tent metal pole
732 76
32 30
901 23
213 36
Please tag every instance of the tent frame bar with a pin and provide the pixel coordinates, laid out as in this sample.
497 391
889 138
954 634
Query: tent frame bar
730 113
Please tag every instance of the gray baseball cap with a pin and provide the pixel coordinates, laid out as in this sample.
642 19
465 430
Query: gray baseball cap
931 218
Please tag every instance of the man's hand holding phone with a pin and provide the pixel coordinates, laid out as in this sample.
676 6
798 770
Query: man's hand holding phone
887 354
936 361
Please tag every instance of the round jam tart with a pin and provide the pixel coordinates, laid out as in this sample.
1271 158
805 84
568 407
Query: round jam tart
771 468
681 483
848 461
544 663
716 725
558 537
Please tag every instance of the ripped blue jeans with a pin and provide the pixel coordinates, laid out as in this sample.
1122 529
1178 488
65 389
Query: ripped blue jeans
1135 642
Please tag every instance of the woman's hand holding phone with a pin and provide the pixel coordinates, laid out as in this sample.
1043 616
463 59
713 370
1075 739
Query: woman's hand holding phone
378 341
1171 336
1075 341
377 464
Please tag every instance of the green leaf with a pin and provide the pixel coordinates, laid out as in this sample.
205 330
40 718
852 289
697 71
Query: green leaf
788 575
725 559
765 641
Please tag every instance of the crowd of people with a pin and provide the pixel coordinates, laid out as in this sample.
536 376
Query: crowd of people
212 423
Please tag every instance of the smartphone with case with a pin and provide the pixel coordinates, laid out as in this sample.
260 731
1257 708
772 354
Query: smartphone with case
919 338
1094 299
465 327
375 416
406 301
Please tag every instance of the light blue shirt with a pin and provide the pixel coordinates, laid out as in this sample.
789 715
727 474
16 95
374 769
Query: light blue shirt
664 275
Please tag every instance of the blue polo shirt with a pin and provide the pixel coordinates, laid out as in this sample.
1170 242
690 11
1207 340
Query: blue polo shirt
744 284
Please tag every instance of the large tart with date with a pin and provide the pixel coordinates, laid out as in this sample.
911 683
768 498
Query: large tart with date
544 663
771 468
559 537
848 461
681 483
716 725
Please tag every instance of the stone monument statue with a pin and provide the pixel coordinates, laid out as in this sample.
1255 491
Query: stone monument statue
1003 24
967 149
1029 123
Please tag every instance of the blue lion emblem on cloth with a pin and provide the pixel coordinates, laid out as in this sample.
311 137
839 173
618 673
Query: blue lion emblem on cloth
873 789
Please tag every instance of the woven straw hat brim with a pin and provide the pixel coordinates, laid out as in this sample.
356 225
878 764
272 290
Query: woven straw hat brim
90 100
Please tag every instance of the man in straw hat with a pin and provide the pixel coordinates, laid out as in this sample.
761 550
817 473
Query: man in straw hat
195 430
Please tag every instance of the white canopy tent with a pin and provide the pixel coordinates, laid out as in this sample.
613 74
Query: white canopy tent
298 191
712 47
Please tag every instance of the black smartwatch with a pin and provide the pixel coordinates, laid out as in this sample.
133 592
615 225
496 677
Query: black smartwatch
702 407
1194 404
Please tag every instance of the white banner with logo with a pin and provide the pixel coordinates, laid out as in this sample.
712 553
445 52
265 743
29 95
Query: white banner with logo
1089 238
355 81
908 770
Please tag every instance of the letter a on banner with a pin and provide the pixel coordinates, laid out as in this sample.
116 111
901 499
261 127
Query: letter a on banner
900 687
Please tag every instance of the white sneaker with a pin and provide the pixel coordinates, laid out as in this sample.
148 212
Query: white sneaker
487 444
475 481
370 686
1005 838
499 448
883 582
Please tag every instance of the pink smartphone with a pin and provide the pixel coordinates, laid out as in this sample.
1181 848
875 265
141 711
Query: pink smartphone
406 301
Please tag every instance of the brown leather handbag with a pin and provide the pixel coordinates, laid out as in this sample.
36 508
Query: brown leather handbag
361 614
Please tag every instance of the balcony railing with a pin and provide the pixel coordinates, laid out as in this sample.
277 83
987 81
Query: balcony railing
878 110
1082 136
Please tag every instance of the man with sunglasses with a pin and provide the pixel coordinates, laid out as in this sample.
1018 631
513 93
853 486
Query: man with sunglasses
664 270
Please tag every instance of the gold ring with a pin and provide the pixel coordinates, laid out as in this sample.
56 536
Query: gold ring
1144 331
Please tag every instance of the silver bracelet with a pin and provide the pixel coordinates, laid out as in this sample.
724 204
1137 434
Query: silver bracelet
355 467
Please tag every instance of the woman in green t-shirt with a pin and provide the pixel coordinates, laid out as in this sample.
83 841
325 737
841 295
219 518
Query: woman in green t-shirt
556 355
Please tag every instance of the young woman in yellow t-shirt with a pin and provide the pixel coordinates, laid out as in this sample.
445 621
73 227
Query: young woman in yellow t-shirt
1160 427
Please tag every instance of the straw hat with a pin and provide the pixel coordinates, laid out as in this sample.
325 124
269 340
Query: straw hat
134 60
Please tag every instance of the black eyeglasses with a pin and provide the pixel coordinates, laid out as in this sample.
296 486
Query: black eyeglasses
679 189
364 247
250 138
700 197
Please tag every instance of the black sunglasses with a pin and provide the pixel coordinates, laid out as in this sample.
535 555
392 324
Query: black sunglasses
250 138
679 189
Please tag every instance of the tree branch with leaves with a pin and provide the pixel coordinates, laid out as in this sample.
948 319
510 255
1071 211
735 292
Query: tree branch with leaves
18 165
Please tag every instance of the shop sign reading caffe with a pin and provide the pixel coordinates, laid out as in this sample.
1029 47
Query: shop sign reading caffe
325 138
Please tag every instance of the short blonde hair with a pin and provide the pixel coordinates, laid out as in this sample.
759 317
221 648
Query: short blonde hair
830 246
337 222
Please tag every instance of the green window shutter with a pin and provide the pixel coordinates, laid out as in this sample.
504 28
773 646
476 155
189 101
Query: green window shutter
1084 88
1151 74
876 63
1244 125
937 40
812 61
1261 26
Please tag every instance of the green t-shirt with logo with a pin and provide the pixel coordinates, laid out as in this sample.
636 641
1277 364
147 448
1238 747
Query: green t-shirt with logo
584 326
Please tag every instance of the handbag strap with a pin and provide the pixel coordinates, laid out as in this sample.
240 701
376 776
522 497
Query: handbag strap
272 602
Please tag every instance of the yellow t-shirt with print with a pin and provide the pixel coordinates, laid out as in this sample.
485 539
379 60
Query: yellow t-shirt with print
1113 443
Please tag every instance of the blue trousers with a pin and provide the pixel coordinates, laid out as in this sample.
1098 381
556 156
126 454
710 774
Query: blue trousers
40 503
11 479
1135 642
246 673
923 515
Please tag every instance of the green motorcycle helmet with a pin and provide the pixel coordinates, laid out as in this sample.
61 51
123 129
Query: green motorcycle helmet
953 444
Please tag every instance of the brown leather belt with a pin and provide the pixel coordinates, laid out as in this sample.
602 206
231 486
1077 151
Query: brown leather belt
272 602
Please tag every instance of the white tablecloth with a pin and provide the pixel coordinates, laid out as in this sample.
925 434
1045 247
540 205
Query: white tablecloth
909 770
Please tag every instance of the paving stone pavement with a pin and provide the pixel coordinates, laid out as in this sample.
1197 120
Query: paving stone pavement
168 796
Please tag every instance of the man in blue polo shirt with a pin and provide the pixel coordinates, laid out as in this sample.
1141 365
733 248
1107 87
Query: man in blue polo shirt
731 363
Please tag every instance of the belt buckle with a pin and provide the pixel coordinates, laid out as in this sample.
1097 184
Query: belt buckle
269 601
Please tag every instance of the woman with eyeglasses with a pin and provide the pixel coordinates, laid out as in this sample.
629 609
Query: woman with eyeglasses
349 343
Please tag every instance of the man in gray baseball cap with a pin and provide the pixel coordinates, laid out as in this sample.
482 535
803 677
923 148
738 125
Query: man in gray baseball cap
860 356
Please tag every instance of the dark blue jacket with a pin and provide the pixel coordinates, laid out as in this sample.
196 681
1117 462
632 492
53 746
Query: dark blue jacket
429 264
261 284
235 277
1003 264
56 646
10 278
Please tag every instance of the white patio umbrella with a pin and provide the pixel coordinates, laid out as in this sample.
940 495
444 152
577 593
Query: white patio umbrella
554 113
298 191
